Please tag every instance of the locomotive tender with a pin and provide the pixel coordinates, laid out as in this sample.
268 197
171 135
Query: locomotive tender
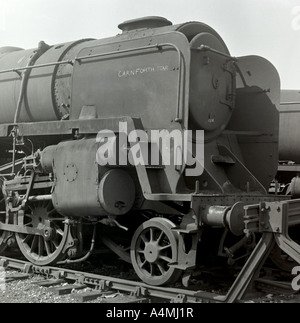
289 159
152 76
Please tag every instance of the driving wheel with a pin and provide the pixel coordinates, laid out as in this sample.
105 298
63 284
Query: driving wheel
48 248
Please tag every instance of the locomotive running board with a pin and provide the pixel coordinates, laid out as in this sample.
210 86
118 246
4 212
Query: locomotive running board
272 219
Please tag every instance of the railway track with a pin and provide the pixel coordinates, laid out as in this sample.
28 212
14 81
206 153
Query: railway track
100 284
68 285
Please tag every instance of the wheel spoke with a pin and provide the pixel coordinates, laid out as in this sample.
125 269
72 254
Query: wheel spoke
161 268
41 246
47 247
52 212
29 224
143 263
151 235
160 237
165 247
151 269
59 231
30 208
55 244
144 238
34 243
26 238
165 258
5 217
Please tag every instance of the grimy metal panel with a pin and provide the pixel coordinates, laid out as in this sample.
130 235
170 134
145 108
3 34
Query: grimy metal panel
49 88
255 120
34 86
11 84
76 173
147 80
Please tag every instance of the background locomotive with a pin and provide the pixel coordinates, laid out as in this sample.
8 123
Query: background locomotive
154 75
289 158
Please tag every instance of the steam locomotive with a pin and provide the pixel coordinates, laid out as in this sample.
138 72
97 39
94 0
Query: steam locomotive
288 169
62 105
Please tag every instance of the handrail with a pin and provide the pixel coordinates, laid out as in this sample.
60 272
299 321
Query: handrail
289 103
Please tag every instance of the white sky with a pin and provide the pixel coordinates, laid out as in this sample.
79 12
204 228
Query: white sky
269 28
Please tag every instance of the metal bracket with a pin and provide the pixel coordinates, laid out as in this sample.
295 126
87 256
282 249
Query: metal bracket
276 218
205 48
179 299
186 258
272 219
139 291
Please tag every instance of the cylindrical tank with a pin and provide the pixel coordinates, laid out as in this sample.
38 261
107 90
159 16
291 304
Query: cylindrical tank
40 94
9 49
289 129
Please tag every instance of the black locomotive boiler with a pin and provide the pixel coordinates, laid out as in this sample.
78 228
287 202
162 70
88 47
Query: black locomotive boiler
152 76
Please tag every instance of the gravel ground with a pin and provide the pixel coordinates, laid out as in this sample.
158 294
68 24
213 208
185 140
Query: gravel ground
26 291
23 291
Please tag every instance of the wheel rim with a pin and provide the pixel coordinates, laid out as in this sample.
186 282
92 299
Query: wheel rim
47 248
153 248
4 235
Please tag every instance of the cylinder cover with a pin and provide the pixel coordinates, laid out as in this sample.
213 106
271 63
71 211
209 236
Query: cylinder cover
82 187
116 192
